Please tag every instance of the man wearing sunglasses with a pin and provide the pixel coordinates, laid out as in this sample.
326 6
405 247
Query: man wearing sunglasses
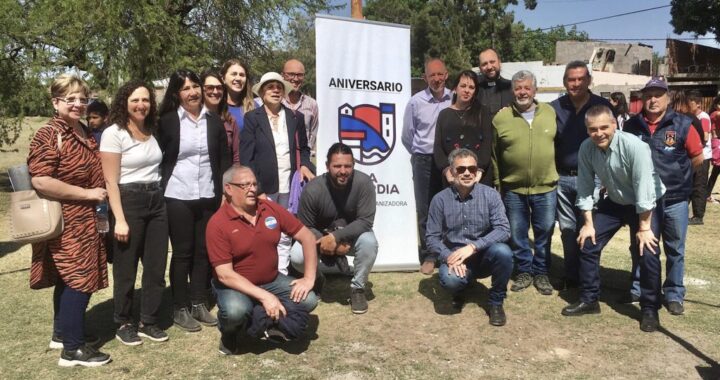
523 156
467 228
242 238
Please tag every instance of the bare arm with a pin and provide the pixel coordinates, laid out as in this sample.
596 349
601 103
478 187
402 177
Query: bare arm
111 171
301 287
697 161
57 189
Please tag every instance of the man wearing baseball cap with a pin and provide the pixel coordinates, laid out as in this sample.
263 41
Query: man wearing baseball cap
676 148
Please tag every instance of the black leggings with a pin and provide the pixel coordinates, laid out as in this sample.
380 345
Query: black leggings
187 221
712 179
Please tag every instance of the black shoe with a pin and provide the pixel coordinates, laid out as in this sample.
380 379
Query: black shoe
201 314
153 333
127 334
228 344
649 322
580 308
358 301
497 315
695 221
457 302
522 281
542 284
85 356
629 298
185 321
56 342
675 308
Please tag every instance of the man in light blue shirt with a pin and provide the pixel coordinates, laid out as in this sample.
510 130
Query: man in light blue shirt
418 137
625 168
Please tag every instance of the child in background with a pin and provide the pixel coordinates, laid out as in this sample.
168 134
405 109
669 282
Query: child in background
97 113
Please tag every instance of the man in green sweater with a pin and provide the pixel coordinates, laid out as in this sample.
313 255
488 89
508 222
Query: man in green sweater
524 162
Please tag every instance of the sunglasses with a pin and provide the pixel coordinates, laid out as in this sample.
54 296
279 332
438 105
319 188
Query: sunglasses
211 88
471 169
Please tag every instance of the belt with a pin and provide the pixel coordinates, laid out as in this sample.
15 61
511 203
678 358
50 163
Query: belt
139 186
568 173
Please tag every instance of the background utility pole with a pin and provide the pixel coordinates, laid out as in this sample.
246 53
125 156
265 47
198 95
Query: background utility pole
356 9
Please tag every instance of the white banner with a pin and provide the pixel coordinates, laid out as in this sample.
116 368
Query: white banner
363 85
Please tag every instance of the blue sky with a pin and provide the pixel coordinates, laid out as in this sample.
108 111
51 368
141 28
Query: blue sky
650 24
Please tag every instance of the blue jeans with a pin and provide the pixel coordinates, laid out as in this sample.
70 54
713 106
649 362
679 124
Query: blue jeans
426 183
69 320
570 220
607 219
674 225
523 211
234 307
495 261
364 250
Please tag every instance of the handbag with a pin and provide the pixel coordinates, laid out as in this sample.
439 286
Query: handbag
35 217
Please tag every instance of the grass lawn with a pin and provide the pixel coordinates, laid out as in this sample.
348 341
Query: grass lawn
410 331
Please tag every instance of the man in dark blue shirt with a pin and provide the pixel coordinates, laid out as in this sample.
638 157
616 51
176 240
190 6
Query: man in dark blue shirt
467 228
571 132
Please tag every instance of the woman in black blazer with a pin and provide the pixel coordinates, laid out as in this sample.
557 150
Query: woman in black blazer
272 136
195 155
274 144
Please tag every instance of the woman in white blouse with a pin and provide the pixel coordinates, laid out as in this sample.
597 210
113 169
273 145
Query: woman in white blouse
195 155
131 158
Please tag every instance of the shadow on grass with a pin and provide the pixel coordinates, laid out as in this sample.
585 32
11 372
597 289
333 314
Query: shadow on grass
99 318
337 289
8 247
701 303
429 287
712 372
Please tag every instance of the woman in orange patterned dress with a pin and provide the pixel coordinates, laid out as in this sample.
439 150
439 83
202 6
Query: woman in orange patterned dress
65 165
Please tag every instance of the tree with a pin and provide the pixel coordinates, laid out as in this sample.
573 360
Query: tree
696 16
457 30
109 42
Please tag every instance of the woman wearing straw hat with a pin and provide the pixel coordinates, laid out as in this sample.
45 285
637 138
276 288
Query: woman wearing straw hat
274 144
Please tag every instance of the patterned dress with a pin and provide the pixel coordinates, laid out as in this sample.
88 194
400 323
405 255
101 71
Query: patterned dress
78 256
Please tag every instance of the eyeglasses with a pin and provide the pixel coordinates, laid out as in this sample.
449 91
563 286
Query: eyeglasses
212 88
78 101
471 169
244 185
295 75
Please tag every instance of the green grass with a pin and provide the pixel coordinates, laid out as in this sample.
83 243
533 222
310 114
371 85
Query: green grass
408 333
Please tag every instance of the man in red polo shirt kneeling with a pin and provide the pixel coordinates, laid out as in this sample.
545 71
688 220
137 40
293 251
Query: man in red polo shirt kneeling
242 240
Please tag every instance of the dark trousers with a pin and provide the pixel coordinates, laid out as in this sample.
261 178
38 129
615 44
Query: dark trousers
426 183
187 221
146 216
608 219
699 192
69 320
711 181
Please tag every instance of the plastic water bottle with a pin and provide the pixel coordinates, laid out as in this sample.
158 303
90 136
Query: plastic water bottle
101 218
